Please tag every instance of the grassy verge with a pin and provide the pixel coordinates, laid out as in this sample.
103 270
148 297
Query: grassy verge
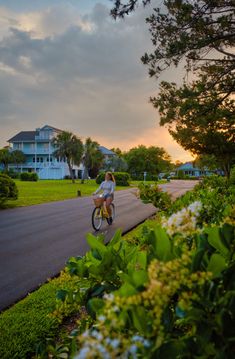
29 321
31 193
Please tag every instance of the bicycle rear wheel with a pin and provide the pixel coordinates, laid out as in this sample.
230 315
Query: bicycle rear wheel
96 218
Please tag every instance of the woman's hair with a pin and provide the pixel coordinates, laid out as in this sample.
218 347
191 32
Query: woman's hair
111 176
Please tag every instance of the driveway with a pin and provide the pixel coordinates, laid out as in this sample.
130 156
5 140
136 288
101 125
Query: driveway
36 241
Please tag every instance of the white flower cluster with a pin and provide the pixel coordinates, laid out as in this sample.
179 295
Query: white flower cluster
184 221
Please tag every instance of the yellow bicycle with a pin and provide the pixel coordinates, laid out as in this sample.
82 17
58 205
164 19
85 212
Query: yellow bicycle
100 213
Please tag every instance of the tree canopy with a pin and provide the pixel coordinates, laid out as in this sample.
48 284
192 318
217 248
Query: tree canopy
147 159
196 124
200 113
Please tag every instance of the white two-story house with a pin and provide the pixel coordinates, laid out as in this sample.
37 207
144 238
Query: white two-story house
39 151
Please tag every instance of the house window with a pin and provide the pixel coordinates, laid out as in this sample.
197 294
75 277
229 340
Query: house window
41 159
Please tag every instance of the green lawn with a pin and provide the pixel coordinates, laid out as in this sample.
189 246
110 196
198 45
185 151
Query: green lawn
31 193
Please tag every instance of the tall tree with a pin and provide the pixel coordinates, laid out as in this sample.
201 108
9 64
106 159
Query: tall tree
92 158
117 164
201 32
196 124
18 157
70 147
147 159
5 158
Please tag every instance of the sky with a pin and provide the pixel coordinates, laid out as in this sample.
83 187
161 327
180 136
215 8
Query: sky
68 64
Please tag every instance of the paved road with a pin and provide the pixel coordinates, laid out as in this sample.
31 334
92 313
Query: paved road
36 241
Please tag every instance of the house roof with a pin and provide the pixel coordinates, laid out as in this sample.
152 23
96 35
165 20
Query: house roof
188 166
30 135
106 151
53 128
24 136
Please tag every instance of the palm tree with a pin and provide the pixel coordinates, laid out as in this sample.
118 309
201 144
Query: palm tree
5 158
70 147
18 157
92 158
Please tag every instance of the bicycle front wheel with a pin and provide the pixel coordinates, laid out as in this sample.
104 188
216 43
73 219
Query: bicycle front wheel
96 218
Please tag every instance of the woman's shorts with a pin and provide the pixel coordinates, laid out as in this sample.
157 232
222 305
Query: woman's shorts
108 195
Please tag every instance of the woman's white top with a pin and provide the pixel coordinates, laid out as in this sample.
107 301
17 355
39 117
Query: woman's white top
107 187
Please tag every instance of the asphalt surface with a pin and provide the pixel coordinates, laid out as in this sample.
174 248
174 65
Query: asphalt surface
36 241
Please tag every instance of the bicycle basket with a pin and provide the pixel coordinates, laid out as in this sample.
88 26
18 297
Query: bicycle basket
98 201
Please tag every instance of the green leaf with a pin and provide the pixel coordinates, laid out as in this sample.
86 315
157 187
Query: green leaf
162 244
95 244
216 242
61 294
116 238
139 319
140 278
96 304
126 290
216 264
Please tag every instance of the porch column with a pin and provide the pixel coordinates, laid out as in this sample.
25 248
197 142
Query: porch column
35 157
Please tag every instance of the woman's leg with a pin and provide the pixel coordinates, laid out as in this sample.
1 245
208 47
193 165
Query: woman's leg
109 200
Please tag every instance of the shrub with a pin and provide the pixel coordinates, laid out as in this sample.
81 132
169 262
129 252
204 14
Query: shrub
121 178
232 176
8 189
29 176
153 194
140 177
11 173
180 174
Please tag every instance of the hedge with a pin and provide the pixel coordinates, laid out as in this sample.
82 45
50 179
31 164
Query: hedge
121 178
8 189
29 176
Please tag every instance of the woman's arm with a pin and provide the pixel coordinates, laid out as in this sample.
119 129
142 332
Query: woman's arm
112 188
99 189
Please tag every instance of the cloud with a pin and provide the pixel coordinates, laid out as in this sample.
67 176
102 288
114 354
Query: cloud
79 72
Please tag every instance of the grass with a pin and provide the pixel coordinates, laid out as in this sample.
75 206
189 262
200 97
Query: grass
31 193
29 322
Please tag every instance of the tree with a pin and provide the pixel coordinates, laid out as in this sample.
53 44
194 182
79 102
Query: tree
206 162
117 151
92 159
147 159
196 124
5 158
18 157
201 32
116 164
69 146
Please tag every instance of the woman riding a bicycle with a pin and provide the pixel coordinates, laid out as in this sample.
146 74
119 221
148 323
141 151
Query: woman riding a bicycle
107 187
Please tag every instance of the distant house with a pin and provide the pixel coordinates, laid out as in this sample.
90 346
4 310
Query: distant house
39 151
108 154
189 169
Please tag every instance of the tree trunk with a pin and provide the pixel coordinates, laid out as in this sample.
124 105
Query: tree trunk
84 175
71 171
226 168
